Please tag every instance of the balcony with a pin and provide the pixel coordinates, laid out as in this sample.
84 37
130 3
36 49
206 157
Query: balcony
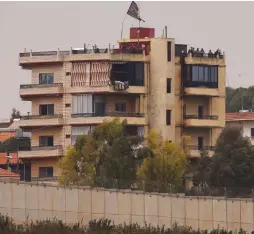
41 152
208 121
94 118
28 91
195 151
41 120
205 58
201 91
31 58
108 89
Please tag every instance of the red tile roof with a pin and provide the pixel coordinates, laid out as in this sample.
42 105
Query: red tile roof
3 159
239 116
5 173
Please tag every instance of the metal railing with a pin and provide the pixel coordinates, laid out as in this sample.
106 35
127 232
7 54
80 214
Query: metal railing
25 117
111 114
29 86
211 117
204 148
203 55
44 53
35 148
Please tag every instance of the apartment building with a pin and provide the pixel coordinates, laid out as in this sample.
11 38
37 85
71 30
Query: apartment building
151 82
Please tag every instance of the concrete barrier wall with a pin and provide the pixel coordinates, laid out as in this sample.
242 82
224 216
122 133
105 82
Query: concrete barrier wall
32 201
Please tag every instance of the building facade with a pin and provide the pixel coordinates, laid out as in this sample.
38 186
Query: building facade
151 82
245 120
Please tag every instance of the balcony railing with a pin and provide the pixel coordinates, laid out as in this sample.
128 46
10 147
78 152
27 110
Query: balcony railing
205 148
83 51
111 114
204 55
29 86
198 84
25 117
35 148
211 117
43 53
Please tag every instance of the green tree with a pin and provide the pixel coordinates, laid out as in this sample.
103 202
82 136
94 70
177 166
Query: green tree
233 161
13 144
165 168
106 157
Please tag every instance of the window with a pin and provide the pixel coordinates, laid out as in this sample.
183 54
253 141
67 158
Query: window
46 172
77 131
67 105
47 109
82 104
169 51
120 107
46 141
168 117
46 78
203 74
200 143
68 136
252 132
168 85
68 73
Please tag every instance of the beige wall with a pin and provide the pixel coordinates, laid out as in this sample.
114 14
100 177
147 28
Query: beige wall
57 101
194 133
56 69
56 132
75 204
159 100
45 162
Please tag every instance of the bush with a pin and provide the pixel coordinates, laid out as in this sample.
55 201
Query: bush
102 226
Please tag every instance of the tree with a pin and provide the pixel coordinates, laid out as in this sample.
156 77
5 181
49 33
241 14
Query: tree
233 161
167 166
13 144
14 115
106 157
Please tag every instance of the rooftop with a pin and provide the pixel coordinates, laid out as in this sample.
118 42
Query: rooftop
237 116
5 173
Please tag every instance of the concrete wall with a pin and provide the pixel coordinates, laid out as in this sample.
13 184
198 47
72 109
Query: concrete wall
75 204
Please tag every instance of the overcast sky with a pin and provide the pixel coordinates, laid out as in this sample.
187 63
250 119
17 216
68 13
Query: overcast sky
47 25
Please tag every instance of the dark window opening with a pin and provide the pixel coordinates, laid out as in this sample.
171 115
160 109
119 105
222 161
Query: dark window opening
200 143
252 132
67 105
184 110
46 78
133 72
46 141
100 109
47 109
168 117
68 136
68 73
120 107
169 51
46 172
169 85
200 112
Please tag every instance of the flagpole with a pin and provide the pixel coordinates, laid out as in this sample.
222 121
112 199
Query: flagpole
122 26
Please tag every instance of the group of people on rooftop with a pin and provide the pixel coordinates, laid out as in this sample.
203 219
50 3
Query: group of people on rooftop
200 53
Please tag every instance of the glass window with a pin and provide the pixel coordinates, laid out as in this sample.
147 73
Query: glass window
46 78
194 73
201 74
46 172
168 117
120 107
46 141
47 109
206 74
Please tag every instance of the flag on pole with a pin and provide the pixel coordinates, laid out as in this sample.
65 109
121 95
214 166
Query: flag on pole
134 11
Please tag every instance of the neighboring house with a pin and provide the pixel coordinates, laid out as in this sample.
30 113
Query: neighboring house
243 119
151 82
10 159
5 174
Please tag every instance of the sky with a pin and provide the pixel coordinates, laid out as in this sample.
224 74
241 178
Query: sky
48 25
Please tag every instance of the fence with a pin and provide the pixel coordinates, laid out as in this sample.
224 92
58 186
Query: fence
74 204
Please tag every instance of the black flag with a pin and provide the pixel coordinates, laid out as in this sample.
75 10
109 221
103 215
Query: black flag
134 11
